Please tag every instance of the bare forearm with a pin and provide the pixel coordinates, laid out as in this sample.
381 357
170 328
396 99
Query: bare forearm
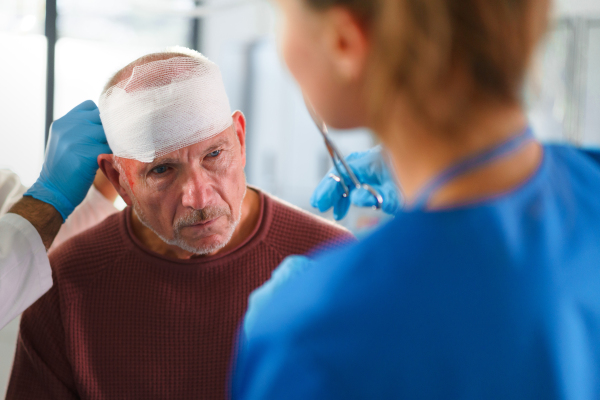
44 217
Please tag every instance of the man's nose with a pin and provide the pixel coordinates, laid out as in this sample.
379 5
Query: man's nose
197 192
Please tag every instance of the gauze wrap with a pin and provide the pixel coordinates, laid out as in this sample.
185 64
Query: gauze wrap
165 106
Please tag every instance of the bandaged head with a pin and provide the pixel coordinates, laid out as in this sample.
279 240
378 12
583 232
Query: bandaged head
164 106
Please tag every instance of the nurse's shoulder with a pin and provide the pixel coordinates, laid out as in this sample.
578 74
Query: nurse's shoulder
436 296
573 174
401 287
577 160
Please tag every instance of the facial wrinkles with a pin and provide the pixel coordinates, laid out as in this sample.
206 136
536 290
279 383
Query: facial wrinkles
192 170
194 217
212 171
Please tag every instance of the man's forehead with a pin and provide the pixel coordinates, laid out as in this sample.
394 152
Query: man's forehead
208 145
224 138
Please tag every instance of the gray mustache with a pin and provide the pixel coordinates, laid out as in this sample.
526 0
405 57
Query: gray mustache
203 215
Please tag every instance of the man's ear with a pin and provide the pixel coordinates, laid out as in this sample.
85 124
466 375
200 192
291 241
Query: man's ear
108 167
239 124
348 43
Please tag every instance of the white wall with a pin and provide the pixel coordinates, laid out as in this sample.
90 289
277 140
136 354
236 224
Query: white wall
591 110
578 7
83 67
22 104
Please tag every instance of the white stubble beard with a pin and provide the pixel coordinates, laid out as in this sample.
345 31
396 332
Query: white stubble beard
178 241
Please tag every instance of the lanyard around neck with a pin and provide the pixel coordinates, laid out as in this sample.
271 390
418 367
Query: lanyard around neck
469 164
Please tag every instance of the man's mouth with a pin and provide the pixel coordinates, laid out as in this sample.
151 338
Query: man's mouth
202 224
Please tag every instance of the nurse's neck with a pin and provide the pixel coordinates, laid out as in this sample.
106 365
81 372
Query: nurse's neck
420 153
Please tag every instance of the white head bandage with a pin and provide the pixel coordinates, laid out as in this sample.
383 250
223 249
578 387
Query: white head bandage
165 106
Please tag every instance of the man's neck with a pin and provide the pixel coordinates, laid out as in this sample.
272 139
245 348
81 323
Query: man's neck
248 222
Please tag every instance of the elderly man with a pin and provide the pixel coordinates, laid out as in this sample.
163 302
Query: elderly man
147 304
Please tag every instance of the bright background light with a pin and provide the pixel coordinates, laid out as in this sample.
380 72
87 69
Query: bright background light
286 156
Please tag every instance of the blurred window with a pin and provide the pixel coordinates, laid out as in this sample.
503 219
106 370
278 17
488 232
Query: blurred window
99 37
548 95
564 95
591 117
95 39
23 87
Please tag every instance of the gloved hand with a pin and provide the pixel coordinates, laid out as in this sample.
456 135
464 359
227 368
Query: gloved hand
70 164
288 269
370 168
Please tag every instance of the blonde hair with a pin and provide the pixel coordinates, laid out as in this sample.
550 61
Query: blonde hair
420 45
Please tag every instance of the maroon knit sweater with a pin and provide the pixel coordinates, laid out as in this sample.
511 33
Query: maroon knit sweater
122 322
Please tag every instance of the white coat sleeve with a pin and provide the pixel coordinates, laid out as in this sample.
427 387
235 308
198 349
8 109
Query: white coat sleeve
25 273
11 190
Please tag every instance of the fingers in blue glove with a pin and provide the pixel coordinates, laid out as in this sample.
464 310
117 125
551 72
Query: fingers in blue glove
322 197
389 193
392 198
340 209
70 163
97 134
87 105
327 194
364 198
369 167
92 117
101 149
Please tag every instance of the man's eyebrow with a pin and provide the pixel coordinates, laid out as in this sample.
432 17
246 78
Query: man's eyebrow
214 146
209 149
162 161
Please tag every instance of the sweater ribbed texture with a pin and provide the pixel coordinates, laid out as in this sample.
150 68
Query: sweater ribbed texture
122 322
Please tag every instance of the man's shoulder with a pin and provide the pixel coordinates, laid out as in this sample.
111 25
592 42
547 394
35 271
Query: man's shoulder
300 231
90 251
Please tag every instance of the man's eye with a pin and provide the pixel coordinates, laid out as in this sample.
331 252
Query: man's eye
214 153
160 169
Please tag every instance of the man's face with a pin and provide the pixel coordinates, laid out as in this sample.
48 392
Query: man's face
191 198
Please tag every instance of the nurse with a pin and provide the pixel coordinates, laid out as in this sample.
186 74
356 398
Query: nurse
486 284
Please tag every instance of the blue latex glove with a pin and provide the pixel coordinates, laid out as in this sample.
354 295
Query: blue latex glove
70 164
369 167
288 269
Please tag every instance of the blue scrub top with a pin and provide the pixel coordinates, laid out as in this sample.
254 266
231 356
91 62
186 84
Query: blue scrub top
497 300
